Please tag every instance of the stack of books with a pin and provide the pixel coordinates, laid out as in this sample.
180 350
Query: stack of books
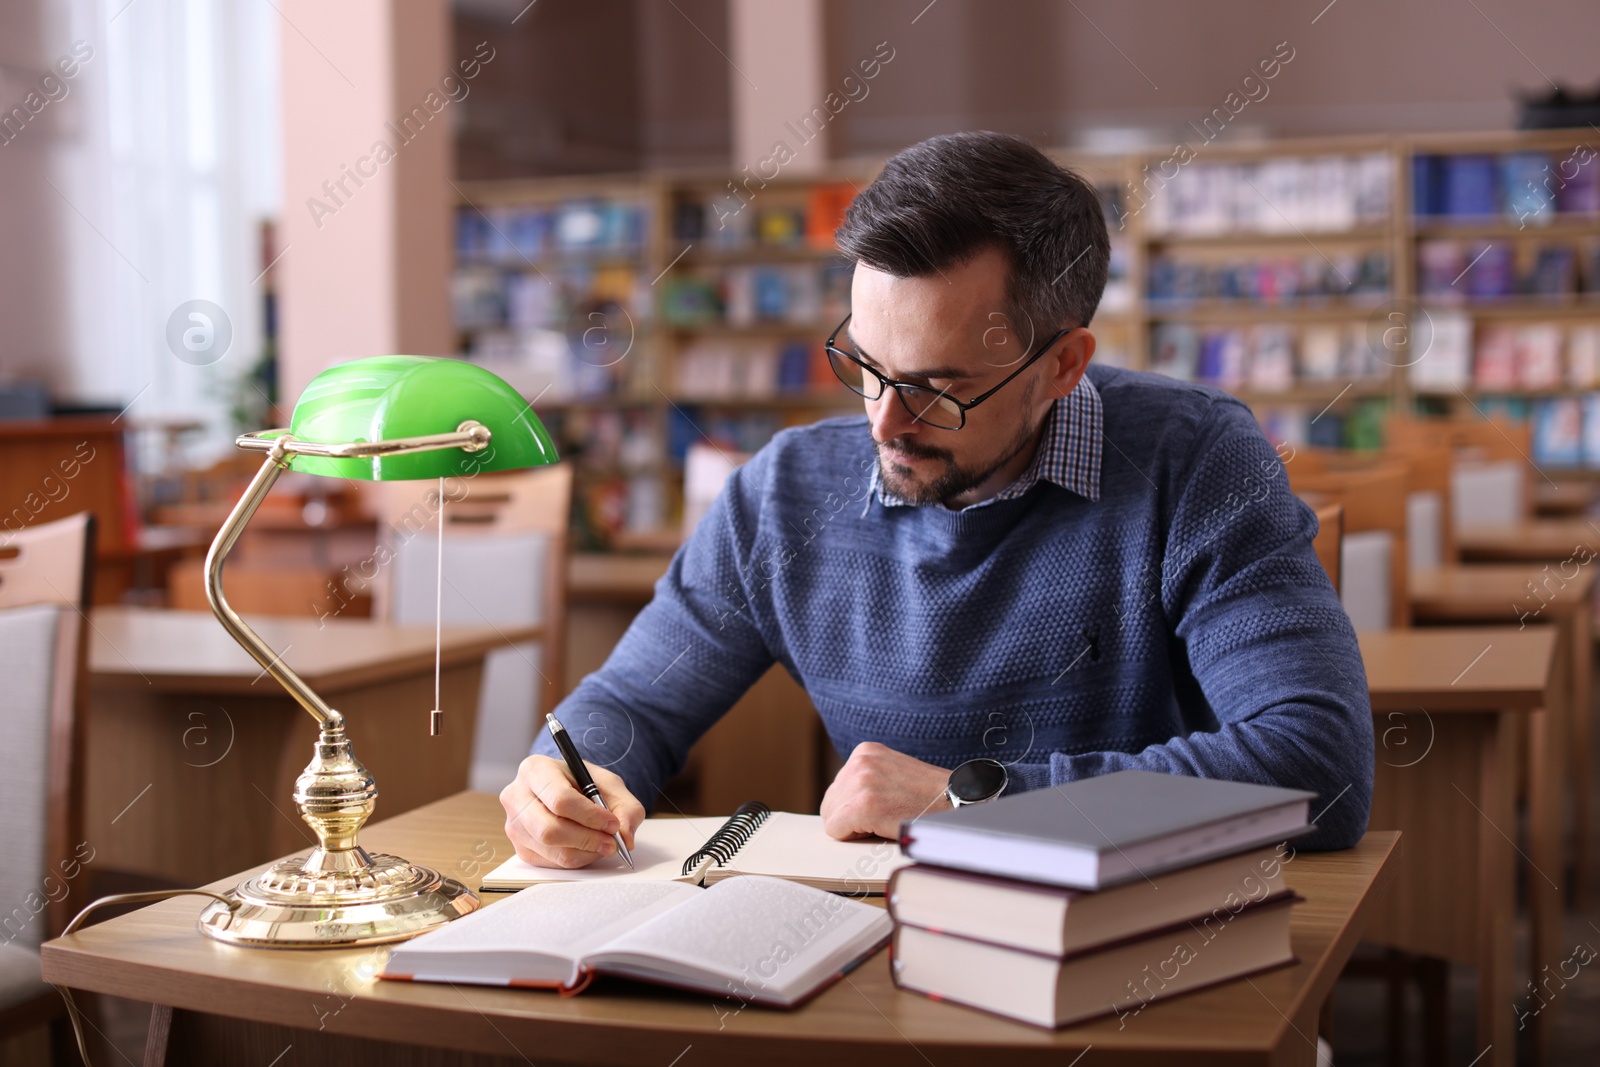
1097 897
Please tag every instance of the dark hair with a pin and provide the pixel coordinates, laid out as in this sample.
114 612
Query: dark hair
949 198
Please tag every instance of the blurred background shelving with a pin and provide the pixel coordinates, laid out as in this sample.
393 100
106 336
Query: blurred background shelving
1323 281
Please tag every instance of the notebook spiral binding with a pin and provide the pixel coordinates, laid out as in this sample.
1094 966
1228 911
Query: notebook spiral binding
731 835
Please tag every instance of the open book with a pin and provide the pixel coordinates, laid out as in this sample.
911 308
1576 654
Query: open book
762 940
754 840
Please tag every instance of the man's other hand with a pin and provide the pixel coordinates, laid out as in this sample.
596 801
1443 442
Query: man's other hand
552 824
877 789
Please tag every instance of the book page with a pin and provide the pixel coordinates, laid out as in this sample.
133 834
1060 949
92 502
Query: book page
539 934
796 847
771 939
659 849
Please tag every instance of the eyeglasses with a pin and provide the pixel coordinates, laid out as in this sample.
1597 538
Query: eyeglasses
935 407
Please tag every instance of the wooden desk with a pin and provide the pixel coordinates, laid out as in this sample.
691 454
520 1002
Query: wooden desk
1449 707
257 1002
1536 540
1564 498
1530 594
192 750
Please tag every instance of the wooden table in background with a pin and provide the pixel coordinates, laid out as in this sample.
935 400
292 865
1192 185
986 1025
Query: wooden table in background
1530 594
1563 498
1448 707
766 748
1534 541
192 750
241 1005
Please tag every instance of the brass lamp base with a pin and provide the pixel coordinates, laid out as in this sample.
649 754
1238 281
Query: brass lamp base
339 894
306 904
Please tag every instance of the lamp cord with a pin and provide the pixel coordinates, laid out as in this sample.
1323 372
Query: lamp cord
438 621
75 1013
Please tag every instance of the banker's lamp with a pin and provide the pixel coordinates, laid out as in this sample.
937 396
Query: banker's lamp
385 418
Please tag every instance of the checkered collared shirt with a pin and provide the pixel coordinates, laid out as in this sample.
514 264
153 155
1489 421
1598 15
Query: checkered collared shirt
1069 452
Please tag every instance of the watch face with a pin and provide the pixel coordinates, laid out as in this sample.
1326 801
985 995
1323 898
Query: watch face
977 780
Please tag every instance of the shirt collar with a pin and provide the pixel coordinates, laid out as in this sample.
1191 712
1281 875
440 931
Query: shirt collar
1068 455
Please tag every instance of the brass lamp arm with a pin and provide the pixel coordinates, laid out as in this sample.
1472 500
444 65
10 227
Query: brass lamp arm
470 436
270 661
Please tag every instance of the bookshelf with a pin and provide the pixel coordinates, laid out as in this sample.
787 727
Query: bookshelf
644 313
1505 235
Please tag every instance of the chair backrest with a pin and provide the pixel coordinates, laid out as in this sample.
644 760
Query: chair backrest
1373 554
505 562
1430 526
1499 449
1489 492
1430 518
45 586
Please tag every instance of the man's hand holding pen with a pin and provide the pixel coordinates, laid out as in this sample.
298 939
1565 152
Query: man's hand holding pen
552 824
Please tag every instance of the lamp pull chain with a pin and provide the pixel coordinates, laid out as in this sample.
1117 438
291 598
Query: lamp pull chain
436 716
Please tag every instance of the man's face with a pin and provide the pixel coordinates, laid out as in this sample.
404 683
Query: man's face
949 331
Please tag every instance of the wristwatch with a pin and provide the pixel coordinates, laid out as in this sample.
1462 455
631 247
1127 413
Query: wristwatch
975 782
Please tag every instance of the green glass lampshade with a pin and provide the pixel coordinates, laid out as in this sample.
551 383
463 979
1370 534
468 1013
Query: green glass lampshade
382 398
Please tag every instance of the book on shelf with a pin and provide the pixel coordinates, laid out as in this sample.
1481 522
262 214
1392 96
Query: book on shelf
1268 357
1058 922
1539 355
1495 361
1271 360
1470 185
780 227
1288 423
727 369
1524 187
1583 356
1320 352
1558 431
1440 264
826 204
753 841
762 940
1179 280
1491 270
1577 181
520 234
1274 196
1554 273
1103 831
731 223
1446 363
1529 193
1175 350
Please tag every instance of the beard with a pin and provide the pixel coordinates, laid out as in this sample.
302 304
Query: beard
949 483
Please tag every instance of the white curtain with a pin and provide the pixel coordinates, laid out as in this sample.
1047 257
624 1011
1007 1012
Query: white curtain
176 168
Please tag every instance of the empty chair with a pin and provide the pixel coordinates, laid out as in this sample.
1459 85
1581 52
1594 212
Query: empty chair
44 587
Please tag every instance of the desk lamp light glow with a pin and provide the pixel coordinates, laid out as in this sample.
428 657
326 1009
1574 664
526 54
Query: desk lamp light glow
384 418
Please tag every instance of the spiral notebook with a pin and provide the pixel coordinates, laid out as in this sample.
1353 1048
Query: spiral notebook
702 851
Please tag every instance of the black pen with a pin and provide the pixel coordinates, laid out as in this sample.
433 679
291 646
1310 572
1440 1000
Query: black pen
580 774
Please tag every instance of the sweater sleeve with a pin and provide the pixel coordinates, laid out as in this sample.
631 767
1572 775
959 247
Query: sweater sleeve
1256 626
687 657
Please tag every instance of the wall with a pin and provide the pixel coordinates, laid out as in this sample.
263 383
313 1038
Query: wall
602 85
34 271
1051 71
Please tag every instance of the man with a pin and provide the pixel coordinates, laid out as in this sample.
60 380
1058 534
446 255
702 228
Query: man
1013 558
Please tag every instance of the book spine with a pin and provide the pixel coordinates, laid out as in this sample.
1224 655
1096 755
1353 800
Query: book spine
1283 898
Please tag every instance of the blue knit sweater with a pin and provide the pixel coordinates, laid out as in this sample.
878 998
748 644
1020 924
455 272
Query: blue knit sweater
1180 623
